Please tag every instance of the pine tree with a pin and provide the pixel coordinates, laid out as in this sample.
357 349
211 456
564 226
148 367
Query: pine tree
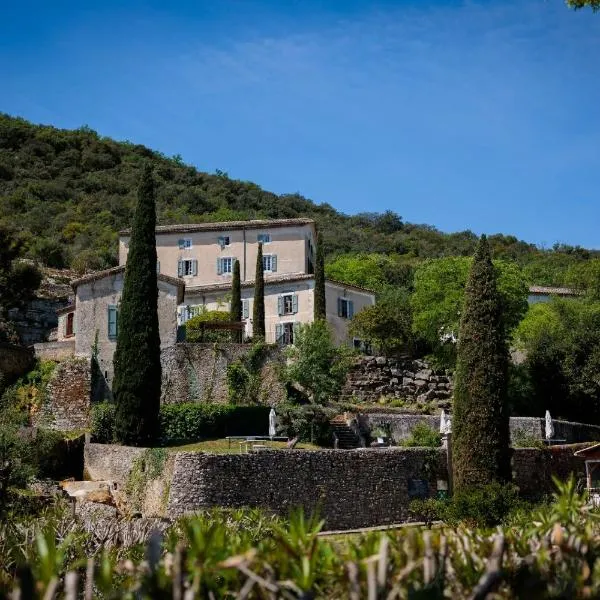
137 369
320 310
258 314
236 300
480 422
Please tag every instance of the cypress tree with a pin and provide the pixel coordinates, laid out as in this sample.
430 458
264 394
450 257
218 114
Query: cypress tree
320 311
235 312
137 379
258 314
480 422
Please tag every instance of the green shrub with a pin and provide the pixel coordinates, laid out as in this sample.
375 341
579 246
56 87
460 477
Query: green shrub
244 375
428 510
311 423
483 505
194 331
103 422
190 422
422 435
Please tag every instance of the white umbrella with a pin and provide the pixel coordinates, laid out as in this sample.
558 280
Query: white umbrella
549 426
443 422
272 423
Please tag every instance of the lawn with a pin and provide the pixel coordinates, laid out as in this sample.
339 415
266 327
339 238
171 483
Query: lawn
222 446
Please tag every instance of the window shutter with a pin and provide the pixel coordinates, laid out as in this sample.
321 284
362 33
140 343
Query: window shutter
157 267
350 309
221 241
278 332
194 267
219 267
339 307
273 263
245 309
280 305
295 303
180 268
112 321
181 244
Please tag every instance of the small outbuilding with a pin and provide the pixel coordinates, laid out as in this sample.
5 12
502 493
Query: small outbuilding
591 456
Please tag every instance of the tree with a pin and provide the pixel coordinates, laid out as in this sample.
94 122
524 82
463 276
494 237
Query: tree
387 324
320 307
577 4
235 311
316 363
137 367
258 314
439 294
480 423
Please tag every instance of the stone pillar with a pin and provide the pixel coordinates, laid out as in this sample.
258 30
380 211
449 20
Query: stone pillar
447 445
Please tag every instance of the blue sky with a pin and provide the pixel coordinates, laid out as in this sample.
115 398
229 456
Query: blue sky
479 115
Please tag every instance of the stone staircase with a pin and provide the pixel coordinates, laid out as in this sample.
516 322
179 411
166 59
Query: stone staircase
343 433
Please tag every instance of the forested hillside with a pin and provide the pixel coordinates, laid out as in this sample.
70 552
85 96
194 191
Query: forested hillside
67 193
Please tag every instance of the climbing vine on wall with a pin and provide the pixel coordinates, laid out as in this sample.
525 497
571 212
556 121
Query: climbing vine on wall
244 375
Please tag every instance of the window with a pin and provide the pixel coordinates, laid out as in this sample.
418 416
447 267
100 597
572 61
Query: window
287 304
185 244
69 325
225 265
270 263
245 308
113 318
345 308
284 333
187 267
224 241
264 238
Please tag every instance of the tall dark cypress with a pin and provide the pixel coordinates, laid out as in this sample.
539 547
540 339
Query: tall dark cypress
480 420
320 309
235 312
137 378
258 314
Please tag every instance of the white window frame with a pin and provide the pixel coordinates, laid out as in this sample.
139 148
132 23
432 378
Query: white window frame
346 303
229 260
268 258
187 267
263 238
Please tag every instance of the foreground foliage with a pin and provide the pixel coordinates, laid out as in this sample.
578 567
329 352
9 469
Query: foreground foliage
552 552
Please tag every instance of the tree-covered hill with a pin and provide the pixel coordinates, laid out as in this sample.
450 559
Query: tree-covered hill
67 193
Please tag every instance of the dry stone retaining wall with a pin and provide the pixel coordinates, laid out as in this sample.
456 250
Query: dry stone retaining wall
109 462
14 361
372 377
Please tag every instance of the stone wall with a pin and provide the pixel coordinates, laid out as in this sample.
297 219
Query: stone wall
14 361
353 488
66 404
401 426
54 350
198 373
109 462
412 380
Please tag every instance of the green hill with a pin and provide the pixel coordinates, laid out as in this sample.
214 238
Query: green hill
67 193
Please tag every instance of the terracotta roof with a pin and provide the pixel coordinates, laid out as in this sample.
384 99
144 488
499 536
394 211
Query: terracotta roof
552 291
115 270
291 277
65 309
225 225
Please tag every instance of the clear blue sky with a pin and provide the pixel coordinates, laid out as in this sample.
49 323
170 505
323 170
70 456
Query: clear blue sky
476 114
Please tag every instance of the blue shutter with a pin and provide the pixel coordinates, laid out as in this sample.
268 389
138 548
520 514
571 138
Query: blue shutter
181 244
112 321
219 267
194 267
245 308
179 268
295 303
350 309
280 305
278 332
339 307
273 263
221 241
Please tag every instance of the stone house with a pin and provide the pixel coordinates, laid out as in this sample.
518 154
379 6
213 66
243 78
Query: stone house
195 265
